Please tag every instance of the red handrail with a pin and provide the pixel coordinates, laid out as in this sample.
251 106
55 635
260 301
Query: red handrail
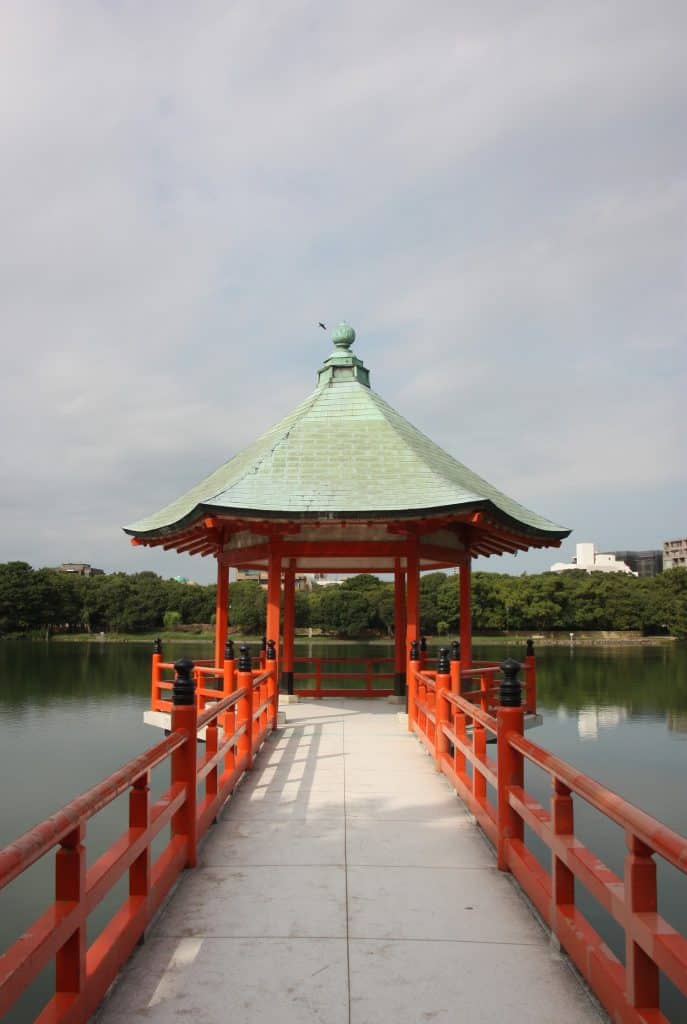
630 991
247 715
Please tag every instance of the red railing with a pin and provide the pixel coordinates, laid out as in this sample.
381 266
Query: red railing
455 729
235 726
369 676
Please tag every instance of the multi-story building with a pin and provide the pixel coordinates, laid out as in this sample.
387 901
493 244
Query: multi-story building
591 560
675 553
644 563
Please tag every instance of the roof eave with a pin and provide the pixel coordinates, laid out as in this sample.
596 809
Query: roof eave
544 537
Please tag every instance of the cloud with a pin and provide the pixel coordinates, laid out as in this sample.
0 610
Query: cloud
494 197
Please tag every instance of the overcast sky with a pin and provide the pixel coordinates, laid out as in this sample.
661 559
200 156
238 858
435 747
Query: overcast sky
493 194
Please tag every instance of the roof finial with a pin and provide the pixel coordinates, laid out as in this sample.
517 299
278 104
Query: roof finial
343 336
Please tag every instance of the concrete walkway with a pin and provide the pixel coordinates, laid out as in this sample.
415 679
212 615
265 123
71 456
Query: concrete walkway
346 883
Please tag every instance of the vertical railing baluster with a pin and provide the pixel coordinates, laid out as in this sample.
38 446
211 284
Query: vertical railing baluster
441 707
411 682
156 676
562 878
245 707
184 758
510 762
530 679
641 973
139 817
70 887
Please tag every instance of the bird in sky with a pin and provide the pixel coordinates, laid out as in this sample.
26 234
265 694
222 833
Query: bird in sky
323 326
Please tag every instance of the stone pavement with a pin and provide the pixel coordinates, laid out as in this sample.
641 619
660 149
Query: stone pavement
346 884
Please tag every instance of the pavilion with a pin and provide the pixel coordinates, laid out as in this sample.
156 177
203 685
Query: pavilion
344 484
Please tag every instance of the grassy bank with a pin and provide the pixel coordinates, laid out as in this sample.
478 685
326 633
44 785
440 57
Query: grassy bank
563 639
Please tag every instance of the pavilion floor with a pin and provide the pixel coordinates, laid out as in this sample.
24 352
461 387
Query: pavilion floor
345 882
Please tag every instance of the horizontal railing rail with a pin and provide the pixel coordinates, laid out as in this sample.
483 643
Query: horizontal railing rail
321 676
236 725
454 728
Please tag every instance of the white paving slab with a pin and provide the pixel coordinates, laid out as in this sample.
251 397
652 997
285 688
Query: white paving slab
346 884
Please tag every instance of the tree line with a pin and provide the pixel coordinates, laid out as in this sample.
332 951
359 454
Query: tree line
36 600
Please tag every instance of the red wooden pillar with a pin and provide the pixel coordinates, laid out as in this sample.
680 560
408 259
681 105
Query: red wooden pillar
221 614
273 597
466 610
289 626
400 649
412 615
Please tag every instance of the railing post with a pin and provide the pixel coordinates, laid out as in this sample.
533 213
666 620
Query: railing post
455 667
441 707
70 886
155 675
272 684
228 687
641 973
263 652
245 705
562 878
139 818
484 691
530 679
184 759
411 682
510 766
423 653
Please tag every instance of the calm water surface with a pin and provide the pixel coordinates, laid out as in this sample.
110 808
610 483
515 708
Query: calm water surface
72 713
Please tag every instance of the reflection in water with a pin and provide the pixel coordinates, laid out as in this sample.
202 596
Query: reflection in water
590 720
72 713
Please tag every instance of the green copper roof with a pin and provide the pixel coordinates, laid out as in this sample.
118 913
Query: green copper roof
343 451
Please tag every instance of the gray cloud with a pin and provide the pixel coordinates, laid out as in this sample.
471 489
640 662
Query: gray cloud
494 195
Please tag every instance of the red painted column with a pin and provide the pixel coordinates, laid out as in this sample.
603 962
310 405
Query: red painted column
289 626
221 611
412 619
273 597
400 650
466 610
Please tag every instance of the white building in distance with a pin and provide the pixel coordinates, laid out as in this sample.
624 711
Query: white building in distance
591 560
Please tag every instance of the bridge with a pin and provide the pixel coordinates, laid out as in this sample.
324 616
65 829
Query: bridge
355 863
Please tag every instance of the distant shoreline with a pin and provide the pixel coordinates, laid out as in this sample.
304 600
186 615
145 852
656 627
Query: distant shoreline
602 638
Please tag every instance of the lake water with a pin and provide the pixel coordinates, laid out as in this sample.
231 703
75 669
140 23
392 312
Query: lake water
72 713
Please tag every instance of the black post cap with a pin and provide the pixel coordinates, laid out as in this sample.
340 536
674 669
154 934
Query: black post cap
157 646
271 651
510 690
530 648
414 650
229 650
442 662
245 663
423 644
184 691
455 650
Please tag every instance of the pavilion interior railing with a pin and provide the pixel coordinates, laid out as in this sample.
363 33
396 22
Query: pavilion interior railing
455 728
202 777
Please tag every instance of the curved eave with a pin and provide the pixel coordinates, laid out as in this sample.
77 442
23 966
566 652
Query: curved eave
520 534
